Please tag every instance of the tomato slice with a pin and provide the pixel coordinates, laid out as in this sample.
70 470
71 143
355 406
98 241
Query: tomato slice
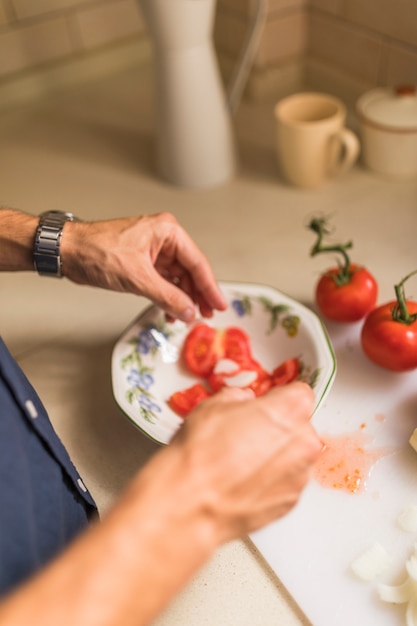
259 386
286 372
236 346
204 346
202 349
263 383
182 402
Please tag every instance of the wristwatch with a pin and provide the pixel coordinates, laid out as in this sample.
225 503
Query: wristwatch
46 254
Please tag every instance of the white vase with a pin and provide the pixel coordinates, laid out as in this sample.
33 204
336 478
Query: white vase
195 139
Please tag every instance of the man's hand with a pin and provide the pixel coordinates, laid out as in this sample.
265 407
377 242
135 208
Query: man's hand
151 256
250 457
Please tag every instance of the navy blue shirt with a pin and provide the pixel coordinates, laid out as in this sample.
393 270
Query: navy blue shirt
44 504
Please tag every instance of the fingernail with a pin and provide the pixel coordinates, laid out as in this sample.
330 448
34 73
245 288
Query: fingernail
187 315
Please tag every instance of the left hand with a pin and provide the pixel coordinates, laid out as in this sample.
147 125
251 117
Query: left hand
151 256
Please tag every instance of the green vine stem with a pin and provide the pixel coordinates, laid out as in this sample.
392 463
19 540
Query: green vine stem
400 312
319 226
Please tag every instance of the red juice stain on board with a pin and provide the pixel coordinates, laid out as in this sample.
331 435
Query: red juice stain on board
345 462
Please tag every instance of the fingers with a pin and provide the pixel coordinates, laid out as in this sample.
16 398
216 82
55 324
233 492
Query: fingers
188 280
208 295
296 399
253 455
232 394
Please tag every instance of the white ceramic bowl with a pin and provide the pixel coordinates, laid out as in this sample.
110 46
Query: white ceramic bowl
388 122
147 366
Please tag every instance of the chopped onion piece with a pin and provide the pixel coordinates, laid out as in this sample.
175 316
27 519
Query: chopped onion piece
406 592
396 594
242 379
373 562
411 567
411 613
225 366
407 519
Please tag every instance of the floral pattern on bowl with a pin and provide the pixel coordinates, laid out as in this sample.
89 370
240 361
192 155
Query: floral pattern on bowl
147 366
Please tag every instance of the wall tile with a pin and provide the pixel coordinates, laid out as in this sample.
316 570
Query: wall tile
283 38
401 66
31 45
3 16
395 18
229 32
353 50
322 77
247 7
284 5
32 8
329 6
109 22
238 6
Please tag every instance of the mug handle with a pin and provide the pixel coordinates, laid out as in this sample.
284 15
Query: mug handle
344 150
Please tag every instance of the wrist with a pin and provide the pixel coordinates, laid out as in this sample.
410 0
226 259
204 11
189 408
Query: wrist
17 235
178 496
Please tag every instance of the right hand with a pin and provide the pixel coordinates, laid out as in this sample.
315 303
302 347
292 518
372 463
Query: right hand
252 456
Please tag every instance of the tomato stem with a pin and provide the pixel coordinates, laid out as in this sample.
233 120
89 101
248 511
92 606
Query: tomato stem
400 312
319 226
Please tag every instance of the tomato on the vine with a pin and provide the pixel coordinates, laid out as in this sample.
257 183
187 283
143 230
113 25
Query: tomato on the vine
389 334
346 293
350 301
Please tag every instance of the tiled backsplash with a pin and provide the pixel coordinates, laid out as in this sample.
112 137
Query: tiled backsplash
358 44
350 45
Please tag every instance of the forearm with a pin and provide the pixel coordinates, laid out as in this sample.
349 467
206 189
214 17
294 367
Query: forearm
128 567
17 236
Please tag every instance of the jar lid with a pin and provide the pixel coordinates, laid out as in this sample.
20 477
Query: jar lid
391 108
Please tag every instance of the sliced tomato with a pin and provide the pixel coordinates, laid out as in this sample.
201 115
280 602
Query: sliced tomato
262 384
286 372
202 349
236 346
204 346
259 386
182 402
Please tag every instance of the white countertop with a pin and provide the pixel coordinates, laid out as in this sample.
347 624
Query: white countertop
90 152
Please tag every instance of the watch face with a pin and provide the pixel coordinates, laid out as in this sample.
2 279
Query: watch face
61 215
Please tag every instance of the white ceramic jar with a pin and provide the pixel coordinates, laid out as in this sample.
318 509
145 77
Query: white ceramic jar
388 125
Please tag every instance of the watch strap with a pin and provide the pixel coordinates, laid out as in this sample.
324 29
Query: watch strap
46 255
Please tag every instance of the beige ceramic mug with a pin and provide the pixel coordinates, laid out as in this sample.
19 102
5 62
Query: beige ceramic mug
312 142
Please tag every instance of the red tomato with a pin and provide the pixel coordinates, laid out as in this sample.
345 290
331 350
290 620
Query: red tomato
349 302
182 402
205 345
390 343
236 345
262 384
202 349
286 372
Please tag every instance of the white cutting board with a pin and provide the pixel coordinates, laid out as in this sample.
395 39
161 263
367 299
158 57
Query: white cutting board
312 548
